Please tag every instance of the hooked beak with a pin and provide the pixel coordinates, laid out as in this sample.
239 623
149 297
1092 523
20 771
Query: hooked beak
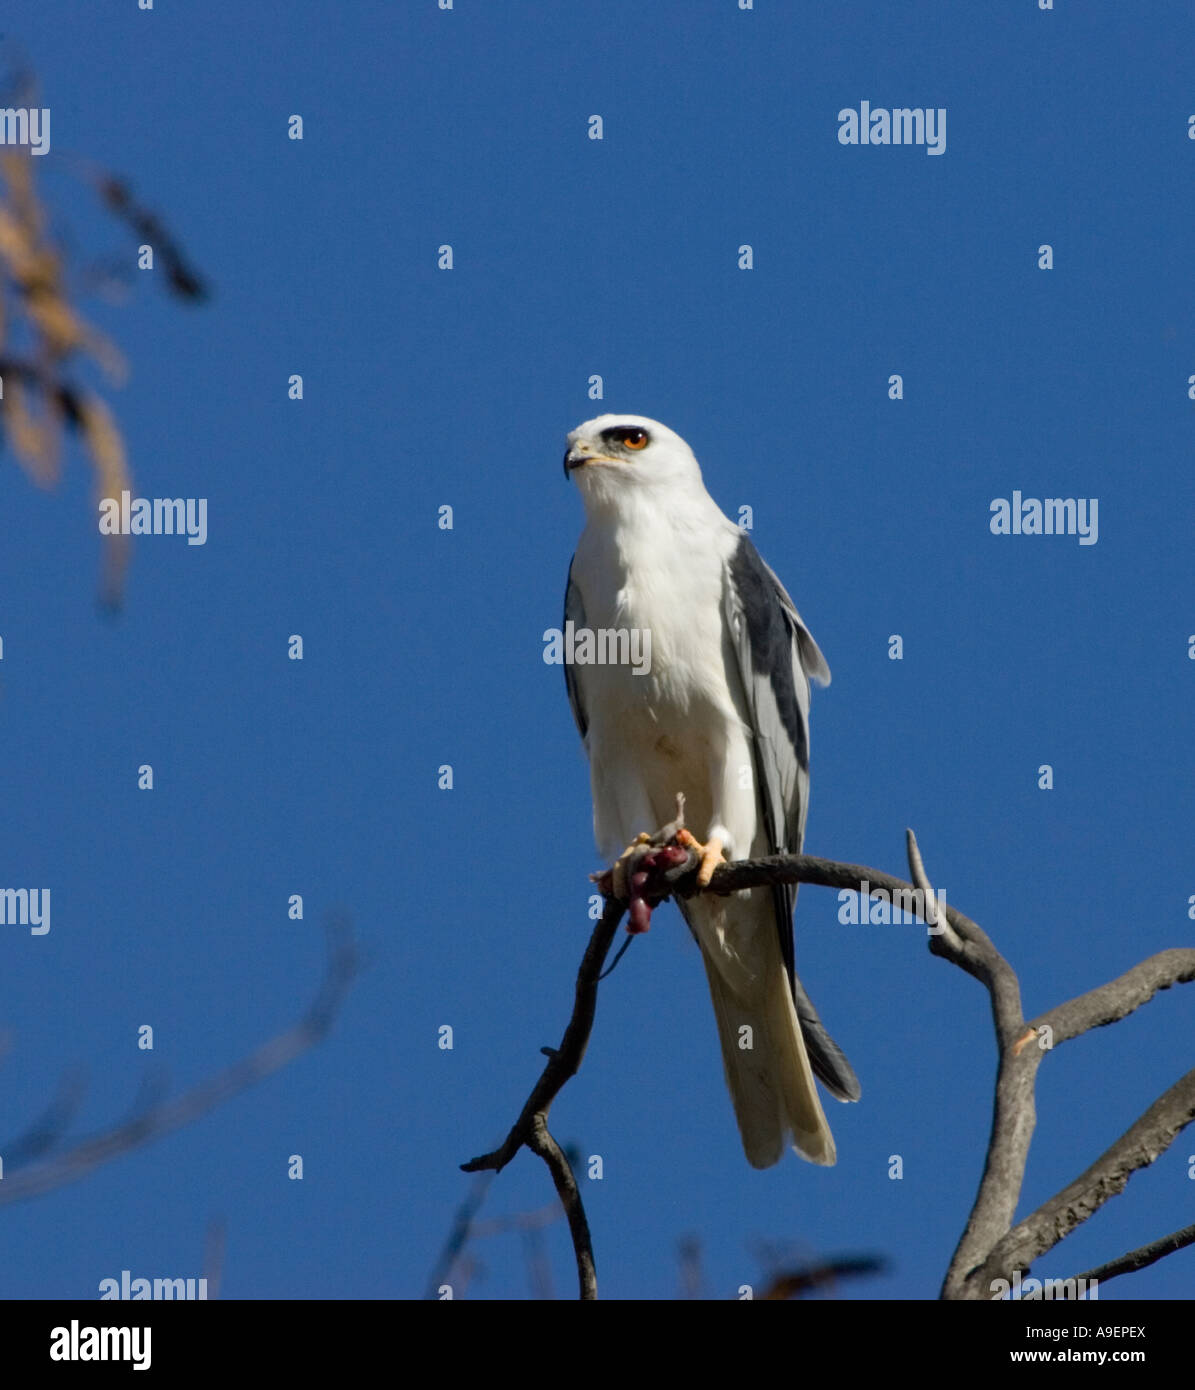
578 457
575 458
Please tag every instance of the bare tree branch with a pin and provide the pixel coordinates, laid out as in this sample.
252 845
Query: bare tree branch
531 1128
564 1061
956 938
1118 998
1140 1258
542 1143
989 1247
1137 1148
1014 1112
970 947
69 1166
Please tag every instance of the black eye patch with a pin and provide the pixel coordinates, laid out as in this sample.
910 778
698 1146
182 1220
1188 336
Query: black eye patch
631 436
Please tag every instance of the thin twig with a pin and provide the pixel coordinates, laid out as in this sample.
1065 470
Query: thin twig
463 1227
565 1060
531 1128
542 1143
1143 1256
1118 998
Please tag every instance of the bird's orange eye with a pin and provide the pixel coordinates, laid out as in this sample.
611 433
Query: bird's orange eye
635 439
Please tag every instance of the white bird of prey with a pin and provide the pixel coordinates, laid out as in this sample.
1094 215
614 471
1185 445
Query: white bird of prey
722 715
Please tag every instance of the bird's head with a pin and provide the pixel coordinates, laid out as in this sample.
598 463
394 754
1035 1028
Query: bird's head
616 452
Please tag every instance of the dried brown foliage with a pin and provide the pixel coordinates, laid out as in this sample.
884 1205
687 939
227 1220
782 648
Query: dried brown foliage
46 345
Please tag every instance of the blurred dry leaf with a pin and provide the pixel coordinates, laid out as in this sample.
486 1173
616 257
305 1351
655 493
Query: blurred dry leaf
106 448
34 441
826 1274
42 336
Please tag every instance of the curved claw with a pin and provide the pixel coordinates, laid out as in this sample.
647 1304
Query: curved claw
643 873
710 855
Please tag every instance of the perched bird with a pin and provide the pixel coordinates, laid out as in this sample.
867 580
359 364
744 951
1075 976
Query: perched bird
720 713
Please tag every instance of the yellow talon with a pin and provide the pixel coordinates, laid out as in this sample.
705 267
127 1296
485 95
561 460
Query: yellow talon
710 855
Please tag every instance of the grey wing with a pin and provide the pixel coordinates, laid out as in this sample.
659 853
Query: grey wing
574 610
776 657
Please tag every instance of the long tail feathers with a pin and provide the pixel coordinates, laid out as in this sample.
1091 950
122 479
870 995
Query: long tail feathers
767 1066
827 1059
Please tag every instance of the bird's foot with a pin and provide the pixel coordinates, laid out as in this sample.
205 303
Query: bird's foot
640 875
709 855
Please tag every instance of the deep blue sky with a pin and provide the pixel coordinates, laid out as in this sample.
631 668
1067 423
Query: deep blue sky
425 387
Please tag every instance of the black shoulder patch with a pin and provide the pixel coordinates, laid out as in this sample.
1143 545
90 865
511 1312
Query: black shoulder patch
573 610
771 640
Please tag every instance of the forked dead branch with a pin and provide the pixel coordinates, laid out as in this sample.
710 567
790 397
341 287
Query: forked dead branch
991 1248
